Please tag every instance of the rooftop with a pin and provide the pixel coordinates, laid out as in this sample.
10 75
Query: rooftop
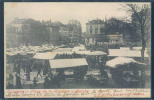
97 21
124 52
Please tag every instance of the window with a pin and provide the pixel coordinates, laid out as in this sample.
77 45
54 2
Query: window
96 30
93 40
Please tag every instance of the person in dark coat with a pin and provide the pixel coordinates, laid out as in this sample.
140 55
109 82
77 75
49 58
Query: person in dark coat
82 71
104 74
61 74
102 63
23 64
45 66
35 82
39 71
46 82
18 69
50 75
18 82
27 70
143 78
11 78
17 65
57 79
136 73
10 86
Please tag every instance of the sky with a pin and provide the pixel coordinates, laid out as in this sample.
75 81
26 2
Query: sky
63 11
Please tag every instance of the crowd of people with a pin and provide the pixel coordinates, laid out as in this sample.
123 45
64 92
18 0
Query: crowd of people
27 64
22 67
44 72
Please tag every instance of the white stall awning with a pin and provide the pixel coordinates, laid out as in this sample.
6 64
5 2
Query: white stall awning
45 56
66 63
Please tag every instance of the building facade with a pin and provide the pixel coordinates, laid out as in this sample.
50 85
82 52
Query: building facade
13 33
75 31
30 32
96 35
94 31
64 34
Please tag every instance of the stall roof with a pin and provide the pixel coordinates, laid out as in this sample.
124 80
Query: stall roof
83 52
66 63
64 49
65 52
120 61
97 53
94 53
125 53
79 48
31 52
10 53
47 55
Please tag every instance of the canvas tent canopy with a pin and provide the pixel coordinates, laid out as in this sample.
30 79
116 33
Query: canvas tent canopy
125 53
65 52
67 63
31 52
79 48
114 63
45 56
64 49
11 53
94 53
83 52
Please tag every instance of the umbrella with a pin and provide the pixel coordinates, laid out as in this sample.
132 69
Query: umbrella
116 62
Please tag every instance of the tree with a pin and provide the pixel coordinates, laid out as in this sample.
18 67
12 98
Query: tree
141 14
115 25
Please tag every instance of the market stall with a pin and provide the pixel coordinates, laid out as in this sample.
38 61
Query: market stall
77 66
127 71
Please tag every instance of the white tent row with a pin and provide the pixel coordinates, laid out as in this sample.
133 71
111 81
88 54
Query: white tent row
50 55
28 50
20 52
67 63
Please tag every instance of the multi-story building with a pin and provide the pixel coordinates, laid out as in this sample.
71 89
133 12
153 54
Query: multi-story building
64 34
75 31
31 32
53 32
13 33
96 35
63 30
94 31
74 22
22 32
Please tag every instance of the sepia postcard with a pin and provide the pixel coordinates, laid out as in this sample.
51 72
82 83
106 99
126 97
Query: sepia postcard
77 49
